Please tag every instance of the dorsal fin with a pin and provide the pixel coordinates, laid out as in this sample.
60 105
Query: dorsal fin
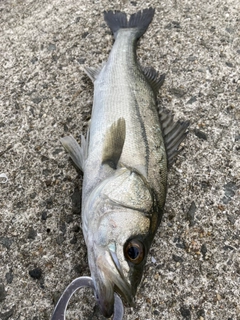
173 134
153 77
113 143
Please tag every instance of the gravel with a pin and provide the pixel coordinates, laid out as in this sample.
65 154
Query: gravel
193 269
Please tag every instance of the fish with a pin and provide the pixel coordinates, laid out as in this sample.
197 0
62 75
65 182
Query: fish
125 157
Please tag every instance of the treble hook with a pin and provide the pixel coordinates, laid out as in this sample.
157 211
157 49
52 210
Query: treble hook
61 306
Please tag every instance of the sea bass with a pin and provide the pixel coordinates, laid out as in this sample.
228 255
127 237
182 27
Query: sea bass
124 158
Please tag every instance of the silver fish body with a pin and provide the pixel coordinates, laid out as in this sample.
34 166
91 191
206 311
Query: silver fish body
128 199
124 161
121 90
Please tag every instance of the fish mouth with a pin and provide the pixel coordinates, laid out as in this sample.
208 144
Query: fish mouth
104 295
111 280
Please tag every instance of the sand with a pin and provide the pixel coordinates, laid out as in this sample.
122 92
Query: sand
193 269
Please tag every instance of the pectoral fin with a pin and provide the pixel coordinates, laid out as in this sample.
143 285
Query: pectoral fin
78 154
113 144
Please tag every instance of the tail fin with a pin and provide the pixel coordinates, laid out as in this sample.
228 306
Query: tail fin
140 20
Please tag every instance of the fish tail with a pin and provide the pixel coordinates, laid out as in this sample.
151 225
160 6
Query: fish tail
139 21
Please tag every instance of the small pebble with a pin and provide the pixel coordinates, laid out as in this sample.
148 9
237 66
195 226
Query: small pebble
44 215
200 134
9 276
185 313
177 258
32 233
204 250
219 297
2 292
36 273
153 260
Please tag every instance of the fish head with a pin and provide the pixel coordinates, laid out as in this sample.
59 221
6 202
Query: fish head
118 238
117 255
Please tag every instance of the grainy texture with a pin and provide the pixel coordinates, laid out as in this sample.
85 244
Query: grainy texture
193 270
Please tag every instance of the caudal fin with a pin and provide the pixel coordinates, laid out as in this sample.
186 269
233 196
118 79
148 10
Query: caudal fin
139 21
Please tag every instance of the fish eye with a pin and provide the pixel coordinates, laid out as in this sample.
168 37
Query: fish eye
134 251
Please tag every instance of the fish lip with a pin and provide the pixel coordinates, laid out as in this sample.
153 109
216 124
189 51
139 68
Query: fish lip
106 307
105 297
127 297
116 308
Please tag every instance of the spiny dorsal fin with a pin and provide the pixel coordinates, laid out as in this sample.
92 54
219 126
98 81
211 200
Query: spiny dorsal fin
153 78
173 134
78 154
113 143
93 72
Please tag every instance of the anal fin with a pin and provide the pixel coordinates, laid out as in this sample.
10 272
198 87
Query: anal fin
93 72
113 144
173 133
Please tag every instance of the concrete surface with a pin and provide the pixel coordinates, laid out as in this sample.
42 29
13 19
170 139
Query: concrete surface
193 270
